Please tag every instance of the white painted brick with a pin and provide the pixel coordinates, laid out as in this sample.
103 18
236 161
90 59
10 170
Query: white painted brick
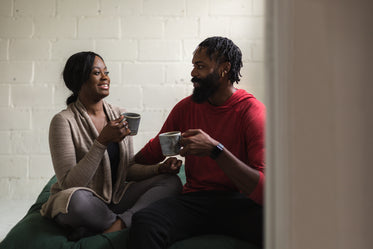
48 71
231 7
120 7
115 71
6 8
164 7
77 8
55 27
29 142
27 189
197 7
41 167
4 96
189 46
4 188
246 48
29 49
258 7
3 49
142 27
14 119
63 49
253 72
258 51
33 8
178 73
16 72
15 27
181 28
61 93
215 26
248 28
152 120
160 50
117 49
164 97
13 166
41 118
99 27
129 97
27 96
143 74
253 78
5 144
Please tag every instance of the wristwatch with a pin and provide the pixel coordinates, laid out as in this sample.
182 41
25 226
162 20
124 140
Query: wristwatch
216 151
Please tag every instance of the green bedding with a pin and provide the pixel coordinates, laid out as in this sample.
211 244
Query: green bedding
37 232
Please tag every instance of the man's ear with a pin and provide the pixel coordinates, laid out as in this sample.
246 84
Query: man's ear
225 67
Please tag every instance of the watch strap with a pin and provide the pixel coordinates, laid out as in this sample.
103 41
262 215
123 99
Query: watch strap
216 151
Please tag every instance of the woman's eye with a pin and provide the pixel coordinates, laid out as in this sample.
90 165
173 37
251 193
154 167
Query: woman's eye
96 73
107 73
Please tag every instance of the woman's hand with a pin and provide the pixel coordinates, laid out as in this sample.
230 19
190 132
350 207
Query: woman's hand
170 166
115 131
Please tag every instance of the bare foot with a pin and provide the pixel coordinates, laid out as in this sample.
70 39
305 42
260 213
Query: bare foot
116 226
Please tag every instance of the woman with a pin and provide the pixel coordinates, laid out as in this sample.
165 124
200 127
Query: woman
98 189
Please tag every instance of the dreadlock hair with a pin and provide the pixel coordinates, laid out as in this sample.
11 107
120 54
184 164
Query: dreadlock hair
223 49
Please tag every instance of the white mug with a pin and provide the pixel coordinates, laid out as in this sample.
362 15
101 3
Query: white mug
170 143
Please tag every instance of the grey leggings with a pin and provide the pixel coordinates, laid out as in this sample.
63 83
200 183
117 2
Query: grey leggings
87 210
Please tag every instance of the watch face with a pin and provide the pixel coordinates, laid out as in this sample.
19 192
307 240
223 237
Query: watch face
216 151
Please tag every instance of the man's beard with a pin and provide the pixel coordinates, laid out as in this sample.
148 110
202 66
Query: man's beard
207 87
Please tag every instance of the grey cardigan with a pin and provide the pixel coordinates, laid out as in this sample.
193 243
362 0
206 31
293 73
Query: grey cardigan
81 162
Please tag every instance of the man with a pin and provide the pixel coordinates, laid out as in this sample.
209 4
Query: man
223 145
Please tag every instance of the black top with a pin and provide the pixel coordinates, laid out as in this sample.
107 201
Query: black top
113 151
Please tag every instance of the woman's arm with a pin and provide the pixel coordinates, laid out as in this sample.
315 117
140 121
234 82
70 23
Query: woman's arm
69 172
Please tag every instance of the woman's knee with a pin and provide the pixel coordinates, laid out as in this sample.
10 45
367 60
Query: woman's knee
80 202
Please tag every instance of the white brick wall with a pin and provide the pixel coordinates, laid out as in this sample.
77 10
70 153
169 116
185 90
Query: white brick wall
147 46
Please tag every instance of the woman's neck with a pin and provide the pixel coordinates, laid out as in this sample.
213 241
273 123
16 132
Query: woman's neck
93 107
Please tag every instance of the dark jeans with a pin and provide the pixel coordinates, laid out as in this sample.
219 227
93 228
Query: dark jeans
176 218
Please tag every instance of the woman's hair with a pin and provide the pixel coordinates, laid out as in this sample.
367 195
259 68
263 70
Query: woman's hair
76 72
222 49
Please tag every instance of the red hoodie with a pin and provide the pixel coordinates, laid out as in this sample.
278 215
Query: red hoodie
238 124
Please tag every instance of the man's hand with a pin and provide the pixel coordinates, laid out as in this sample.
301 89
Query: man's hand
170 166
197 142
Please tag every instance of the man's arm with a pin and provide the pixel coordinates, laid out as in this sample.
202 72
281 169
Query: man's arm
199 143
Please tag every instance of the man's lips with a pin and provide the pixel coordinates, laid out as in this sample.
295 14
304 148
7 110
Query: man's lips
196 82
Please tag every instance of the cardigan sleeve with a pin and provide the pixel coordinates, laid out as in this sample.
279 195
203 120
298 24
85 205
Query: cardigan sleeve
69 172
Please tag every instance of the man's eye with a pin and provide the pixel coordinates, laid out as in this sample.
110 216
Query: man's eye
107 73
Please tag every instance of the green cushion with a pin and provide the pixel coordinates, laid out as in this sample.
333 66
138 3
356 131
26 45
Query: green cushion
37 232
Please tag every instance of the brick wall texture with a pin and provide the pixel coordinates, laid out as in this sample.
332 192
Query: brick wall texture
147 46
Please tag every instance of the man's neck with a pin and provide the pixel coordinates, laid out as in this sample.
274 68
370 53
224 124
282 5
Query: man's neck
222 95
